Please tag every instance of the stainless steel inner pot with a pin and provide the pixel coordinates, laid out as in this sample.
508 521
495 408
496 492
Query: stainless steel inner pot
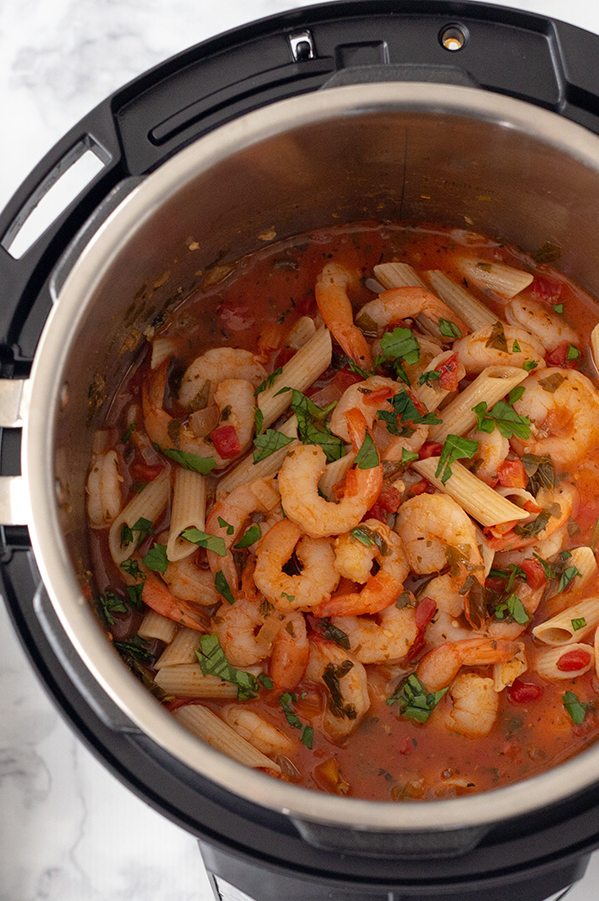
398 151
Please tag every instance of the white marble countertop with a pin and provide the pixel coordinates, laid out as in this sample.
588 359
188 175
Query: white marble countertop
69 830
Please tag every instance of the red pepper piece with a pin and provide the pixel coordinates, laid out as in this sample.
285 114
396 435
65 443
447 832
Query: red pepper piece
523 692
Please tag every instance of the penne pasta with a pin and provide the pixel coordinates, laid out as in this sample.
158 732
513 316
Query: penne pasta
547 663
334 473
493 383
506 281
149 504
188 512
247 470
303 368
595 346
303 330
154 625
182 649
475 497
208 726
575 622
474 313
188 681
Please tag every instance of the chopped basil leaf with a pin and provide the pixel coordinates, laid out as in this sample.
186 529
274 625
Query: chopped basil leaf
552 382
268 381
266 681
193 462
449 329
362 536
578 624
129 432
286 700
547 567
503 415
251 536
290 597
559 308
577 709
573 353
135 595
401 344
368 456
111 603
311 425
156 558
226 525
213 543
136 648
516 349
143 527
132 568
408 457
268 443
223 588
331 677
405 408
213 661
567 577
307 736
528 365
431 376
454 448
514 609
414 700
497 339
540 472
535 527
258 420
371 538
333 633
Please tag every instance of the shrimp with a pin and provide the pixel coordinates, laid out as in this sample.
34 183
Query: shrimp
157 596
439 667
563 406
397 304
499 345
335 307
228 517
290 653
300 474
168 432
201 377
556 505
187 581
346 682
318 577
492 450
530 598
475 705
384 638
237 627
103 487
549 328
258 731
383 587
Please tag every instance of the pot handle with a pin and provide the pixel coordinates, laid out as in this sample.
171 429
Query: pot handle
14 405
430 73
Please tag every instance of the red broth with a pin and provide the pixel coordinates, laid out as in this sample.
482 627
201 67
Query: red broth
387 754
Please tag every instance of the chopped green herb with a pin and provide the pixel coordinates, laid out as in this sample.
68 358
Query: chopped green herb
449 329
156 558
223 588
408 457
136 648
129 432
132 568
258 419
414 699
516 349
266 681
431 376
268 381
528 365
540 472
401 344
405 409
268 443
193 462
143 527
135 595
573 353
577 709
578 624
307 736
566 578
368 455
226 525
251 536
111 603
535 527
311 425
290 597
559 308
213 661
286 700
503 415
333 633
547 567
213 543
497 339
514 609
552 382
331 678
454 448
371 538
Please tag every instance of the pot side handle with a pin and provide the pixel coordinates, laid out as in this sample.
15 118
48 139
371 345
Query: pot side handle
14 404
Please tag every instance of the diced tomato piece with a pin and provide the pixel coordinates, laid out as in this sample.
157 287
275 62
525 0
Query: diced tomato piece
237 319
378 512
345 378
416 649
378 396
523 692
546 290
430 449
421 487
573 660
145 472
497 585
226 441
535 574
511 474
425 611
448 373
389 498
283 356
559 357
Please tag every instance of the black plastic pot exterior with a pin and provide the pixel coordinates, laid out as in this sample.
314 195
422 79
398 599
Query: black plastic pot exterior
258 850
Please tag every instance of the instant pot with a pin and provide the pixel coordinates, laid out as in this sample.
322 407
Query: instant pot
478 117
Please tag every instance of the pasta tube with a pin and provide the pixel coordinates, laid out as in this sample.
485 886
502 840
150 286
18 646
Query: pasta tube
154 625
431 395
247 470
303 368
470 310
595 346
208 726
188 511
547 663
572 623
503 280
182 649
148 505
188 681
475 497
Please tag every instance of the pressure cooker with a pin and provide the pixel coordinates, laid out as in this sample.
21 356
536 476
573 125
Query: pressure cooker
468 115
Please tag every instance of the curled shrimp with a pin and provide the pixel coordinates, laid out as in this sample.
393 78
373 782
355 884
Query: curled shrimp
290 653
300 474
493 448
557 502
499 345
190 583
259 732
383 638
475 705
201 377
157 596
563 406
103 488
549 328
397 304
237 627
229 515
347 685
318 577
383 587
439 667
335 307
